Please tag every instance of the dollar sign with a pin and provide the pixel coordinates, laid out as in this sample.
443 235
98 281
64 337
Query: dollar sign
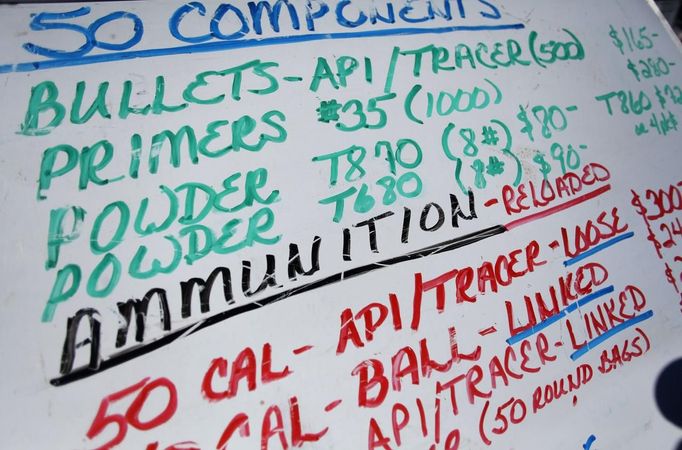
527 126
616 40
633 68
637 203
657 245
661 98
545 168
671 277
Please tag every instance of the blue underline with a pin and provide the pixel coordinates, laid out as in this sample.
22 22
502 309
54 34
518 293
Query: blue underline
242 43
613 331
550 320
598 248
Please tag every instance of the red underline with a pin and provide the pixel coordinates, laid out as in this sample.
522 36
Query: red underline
558 208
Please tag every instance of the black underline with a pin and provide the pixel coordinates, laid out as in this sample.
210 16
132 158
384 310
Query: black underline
143 349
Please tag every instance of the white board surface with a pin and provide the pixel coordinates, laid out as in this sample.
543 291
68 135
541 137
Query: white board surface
339 225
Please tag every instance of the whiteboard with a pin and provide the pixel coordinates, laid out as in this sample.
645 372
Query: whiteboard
339 225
